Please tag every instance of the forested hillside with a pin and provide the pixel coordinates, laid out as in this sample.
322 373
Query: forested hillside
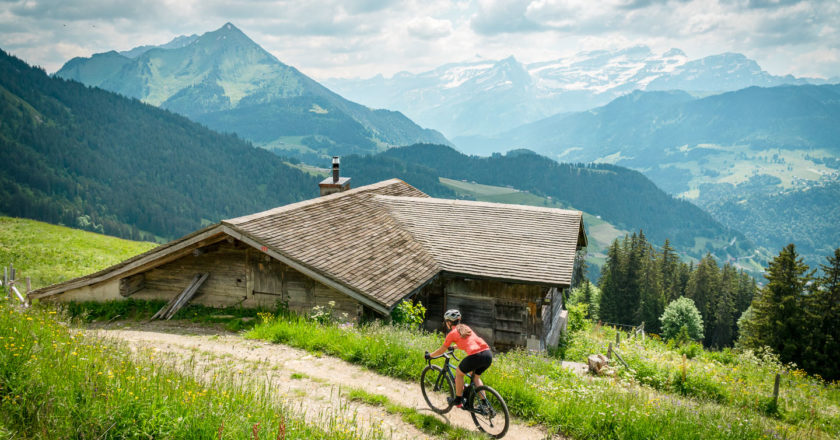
621 196
91 159
638 282
807 217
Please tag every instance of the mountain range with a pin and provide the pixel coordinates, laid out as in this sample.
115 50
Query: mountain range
490 96
229 83
96 160
741 155
91 159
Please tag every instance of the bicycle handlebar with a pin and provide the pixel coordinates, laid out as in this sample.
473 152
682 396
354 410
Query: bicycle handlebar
447 354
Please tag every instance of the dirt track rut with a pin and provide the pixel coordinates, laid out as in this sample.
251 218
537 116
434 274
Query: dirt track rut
318 383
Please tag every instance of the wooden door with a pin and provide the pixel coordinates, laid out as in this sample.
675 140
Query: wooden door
476 312
266 275
510 324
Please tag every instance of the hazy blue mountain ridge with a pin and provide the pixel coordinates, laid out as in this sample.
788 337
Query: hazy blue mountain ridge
229 83
764 161
541 89
648 128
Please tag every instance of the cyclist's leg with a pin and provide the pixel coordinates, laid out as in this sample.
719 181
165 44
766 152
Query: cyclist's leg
485 360
459 382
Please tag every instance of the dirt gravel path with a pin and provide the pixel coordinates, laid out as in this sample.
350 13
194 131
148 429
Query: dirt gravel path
315 385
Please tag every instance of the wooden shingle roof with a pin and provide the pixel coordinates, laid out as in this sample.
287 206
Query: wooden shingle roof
350 238
380 243
493 240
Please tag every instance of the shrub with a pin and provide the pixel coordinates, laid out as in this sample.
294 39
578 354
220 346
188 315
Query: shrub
691 350
577 317
409 314
589 294
680 313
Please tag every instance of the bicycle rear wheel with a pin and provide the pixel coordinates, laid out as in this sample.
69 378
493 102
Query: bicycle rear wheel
437 386
489 411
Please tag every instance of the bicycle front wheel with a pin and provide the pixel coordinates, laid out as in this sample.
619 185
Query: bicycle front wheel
489 411
437 386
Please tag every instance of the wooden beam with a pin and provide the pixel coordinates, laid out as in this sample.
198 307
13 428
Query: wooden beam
178 301
306 271
207 249
132 284
187 295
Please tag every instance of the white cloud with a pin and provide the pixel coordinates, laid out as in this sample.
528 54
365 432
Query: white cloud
428 28
365 37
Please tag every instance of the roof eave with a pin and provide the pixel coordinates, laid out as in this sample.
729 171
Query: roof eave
507 279
583 240
129 265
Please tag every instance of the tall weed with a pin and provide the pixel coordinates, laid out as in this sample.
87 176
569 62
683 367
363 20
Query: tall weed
57 383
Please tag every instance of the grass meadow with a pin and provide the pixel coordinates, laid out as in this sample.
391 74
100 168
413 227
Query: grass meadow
55 382
626 406
50 254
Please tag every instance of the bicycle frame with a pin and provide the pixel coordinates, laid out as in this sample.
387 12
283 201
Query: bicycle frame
449 368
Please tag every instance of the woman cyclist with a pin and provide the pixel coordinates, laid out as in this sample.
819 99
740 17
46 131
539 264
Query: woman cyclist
478 358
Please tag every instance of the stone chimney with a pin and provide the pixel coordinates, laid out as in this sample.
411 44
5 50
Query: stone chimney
334 183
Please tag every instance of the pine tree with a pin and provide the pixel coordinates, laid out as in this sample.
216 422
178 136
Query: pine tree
704 287
720 330
744 295
631 273
651 295
611 280
669 267
778 314
824 314
579 274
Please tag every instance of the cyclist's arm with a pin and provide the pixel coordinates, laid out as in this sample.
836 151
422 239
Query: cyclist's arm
446 344
440 350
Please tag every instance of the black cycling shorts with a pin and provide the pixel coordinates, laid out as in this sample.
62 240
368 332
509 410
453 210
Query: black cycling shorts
478 362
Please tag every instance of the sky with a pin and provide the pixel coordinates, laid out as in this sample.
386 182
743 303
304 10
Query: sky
362 38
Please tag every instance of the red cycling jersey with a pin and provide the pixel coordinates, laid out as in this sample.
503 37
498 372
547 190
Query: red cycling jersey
471 343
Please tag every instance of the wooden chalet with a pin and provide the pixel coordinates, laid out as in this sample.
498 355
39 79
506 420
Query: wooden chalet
367 249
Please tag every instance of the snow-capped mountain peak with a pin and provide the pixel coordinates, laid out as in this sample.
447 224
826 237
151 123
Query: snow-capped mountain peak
489 96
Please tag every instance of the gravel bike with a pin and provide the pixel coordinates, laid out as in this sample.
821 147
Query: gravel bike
486 406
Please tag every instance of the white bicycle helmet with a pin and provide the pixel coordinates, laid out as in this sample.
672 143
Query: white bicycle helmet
452 315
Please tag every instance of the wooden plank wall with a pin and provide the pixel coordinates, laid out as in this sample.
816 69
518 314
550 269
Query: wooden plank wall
433 299
504 314
275 281
242 275
225 287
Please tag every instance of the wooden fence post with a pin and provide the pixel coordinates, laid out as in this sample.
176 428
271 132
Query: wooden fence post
776 391
617 337
609 351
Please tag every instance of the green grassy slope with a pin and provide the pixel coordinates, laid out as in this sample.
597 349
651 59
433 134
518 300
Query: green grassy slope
50 254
